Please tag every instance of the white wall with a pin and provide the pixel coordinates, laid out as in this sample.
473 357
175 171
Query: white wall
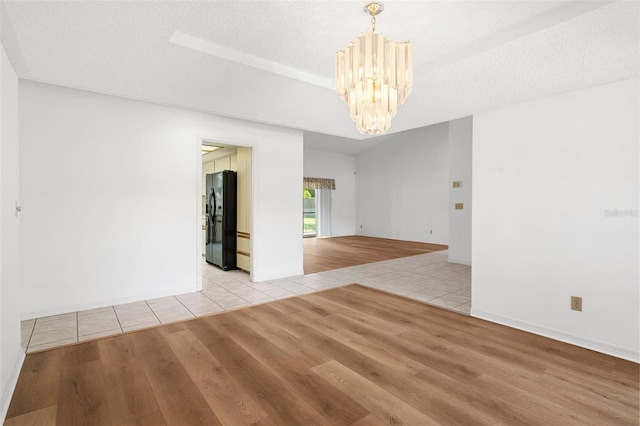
341 167
402 187
111 193
460 159
545 173
11 353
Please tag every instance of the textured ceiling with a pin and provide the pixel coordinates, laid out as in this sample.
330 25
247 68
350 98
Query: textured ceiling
267 61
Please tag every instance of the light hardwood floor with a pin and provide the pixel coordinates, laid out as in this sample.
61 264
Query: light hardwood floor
351 355
324 254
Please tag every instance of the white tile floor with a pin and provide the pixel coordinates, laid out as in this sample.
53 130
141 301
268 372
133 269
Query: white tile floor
427 277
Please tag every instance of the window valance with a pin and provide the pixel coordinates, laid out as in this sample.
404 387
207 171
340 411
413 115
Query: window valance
319 183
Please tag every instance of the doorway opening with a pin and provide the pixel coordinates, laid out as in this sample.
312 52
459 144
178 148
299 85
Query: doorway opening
217 161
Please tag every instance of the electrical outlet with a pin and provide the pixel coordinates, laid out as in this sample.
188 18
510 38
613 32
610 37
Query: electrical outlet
360 226
576 303
457 184
430 231
459 206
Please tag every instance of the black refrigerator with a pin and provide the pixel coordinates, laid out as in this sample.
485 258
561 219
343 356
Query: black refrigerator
221 219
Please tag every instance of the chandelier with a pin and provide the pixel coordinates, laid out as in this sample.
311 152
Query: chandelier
373 75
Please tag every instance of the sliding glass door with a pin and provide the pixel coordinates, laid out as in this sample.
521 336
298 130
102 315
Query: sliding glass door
309 213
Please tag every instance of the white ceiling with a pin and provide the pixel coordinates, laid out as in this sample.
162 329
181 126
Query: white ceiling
270 61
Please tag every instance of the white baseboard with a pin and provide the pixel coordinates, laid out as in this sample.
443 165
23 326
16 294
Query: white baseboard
276 275
461 262
551 333
11 384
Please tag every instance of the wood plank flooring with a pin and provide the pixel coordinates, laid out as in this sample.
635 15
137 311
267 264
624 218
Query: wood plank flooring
351 355
324 254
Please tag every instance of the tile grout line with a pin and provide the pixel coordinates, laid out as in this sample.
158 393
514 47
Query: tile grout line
152 311
186 307
113 308
212 300
31 335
